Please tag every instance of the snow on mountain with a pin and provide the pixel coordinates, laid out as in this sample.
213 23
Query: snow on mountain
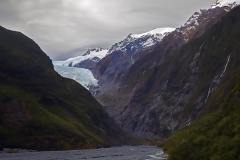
93 54
222 3
124 54
149 39
81 75
133 44
160 31
193 20
205 16
136 42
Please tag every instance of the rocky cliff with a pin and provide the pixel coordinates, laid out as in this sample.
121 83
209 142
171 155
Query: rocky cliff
216 134
167 88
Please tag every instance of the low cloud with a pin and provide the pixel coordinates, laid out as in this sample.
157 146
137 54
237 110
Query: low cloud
66 28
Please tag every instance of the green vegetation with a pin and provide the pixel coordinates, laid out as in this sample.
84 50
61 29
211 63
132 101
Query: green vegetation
41 110
216 135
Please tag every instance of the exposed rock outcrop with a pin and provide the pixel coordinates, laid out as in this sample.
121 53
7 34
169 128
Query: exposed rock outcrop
168 87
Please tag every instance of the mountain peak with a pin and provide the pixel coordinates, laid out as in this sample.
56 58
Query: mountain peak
202 18
98 49
161 31
141 41
222 3
94 54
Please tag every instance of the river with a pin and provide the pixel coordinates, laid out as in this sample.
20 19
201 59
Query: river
114 153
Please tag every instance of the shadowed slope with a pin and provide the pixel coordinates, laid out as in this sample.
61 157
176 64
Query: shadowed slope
40 109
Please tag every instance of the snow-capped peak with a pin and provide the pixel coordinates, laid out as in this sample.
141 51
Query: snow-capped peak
161 31
222 3
94 54
134 43
93 51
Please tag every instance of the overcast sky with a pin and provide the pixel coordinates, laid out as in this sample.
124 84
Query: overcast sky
66 28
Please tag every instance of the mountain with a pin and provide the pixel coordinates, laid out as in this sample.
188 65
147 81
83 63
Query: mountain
120 52
125 53
168 86
194 27
87 60
40 110
216 135
114 66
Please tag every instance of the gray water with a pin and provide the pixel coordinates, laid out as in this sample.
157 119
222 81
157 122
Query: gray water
114 153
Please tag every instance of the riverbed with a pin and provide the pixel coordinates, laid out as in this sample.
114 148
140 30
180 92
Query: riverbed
114 153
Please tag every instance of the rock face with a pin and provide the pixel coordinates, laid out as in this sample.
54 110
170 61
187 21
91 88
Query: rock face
220 119
167 87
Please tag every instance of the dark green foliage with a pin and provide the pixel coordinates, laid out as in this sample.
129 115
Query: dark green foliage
41 110
217 134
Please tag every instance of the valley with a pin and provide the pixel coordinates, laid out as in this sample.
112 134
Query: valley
176 88
162 87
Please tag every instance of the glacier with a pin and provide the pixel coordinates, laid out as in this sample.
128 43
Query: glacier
80 75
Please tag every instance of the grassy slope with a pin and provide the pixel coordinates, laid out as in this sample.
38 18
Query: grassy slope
216 135
41 110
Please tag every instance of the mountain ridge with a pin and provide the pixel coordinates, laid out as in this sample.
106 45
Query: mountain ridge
125 53
222 3
132 83
215 135
135 43
141 91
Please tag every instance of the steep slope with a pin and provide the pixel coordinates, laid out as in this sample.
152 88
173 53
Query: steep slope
167 89
216 135
173 94
41 110
195 26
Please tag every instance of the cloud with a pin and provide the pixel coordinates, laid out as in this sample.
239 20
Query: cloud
65 28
